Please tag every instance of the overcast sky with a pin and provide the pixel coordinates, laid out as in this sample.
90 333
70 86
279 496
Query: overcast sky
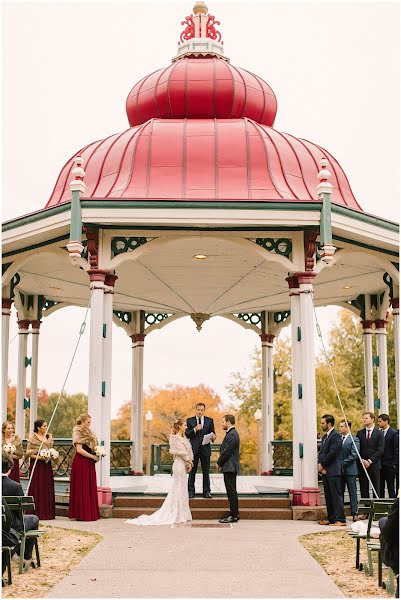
67 70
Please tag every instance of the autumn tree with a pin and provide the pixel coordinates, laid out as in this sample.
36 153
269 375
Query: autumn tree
70 407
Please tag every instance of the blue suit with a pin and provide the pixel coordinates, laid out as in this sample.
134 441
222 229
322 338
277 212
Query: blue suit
330 459
349 462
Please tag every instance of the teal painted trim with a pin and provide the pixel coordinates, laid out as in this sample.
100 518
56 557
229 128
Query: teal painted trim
76 218
34 246
301 450
376 361
325 220
299 391
299 334
205 228
36 216
202 204
27 403
104 330
28 362
103 389
376 403
366 218
367 246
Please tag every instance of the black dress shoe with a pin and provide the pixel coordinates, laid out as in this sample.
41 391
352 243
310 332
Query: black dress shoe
191 495
207 495
229 519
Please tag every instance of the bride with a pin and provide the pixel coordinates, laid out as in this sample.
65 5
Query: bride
175 508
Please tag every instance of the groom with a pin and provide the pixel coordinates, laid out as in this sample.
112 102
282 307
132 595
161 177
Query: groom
228 463
197 427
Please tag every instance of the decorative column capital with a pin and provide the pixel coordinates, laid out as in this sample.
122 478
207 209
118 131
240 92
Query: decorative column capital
110 280
97 275
366 326
6 304
267 338
306 277
381 324
292 281
23 325
35 325
138 339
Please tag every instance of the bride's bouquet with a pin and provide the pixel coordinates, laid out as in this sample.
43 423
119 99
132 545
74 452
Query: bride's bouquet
100 451
9 448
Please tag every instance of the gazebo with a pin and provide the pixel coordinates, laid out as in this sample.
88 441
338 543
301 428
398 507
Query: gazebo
201 208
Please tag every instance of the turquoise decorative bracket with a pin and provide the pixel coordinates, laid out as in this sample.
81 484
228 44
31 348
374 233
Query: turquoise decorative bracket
104 330
103 389
299 391
27 403
28 362
301 450
299 336
376 403
376 361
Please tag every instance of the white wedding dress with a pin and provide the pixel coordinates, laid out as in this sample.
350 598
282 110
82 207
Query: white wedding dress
175 508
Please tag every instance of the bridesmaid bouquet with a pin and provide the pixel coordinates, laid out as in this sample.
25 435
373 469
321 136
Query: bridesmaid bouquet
9 448
100 451
53 454
45 453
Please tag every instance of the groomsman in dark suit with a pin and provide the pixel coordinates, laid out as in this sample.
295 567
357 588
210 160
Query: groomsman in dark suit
389 470
349 465
329 465
228 464
372 446
197 427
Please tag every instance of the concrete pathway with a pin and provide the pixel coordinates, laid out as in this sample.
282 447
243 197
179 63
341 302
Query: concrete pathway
252 559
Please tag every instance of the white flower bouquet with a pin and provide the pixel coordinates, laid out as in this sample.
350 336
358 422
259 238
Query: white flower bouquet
54 454
45 453
9 448
100 451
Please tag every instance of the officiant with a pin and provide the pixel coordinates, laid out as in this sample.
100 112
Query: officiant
198 427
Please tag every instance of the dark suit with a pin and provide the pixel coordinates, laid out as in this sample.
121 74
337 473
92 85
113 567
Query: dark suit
228 462
10 537
389 470
12 488
201 452
330 459
349 460
370 449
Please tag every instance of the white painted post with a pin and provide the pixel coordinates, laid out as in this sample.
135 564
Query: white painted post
368 358
23 330
297 415
137 404
33 407
308 380
104 436
5 340
382 373
267 403
396 318
95 399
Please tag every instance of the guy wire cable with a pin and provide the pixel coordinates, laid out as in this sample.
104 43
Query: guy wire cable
62 393
338 395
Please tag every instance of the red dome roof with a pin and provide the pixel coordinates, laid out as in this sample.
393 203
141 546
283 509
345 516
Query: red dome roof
204 159
201 88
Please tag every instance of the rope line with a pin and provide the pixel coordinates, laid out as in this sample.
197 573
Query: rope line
319 332
62 393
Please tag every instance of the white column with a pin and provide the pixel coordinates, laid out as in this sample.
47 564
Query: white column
23 330
33 407
308 380
267 403
396 317
5 340
137 404
368 364
382 373
106 391
297 425
95 399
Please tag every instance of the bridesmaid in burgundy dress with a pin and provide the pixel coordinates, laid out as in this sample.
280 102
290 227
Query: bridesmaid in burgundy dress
9 437
42 483
84 504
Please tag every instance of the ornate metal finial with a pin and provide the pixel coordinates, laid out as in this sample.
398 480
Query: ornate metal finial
324 190
199 319
77 188
200 36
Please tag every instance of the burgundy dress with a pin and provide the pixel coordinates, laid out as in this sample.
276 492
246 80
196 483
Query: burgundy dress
84 505
42 489
14 473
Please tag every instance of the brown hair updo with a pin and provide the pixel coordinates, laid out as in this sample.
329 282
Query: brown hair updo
176 426
82 418
3 427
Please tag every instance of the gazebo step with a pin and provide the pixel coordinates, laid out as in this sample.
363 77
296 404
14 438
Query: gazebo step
156 502
212 513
